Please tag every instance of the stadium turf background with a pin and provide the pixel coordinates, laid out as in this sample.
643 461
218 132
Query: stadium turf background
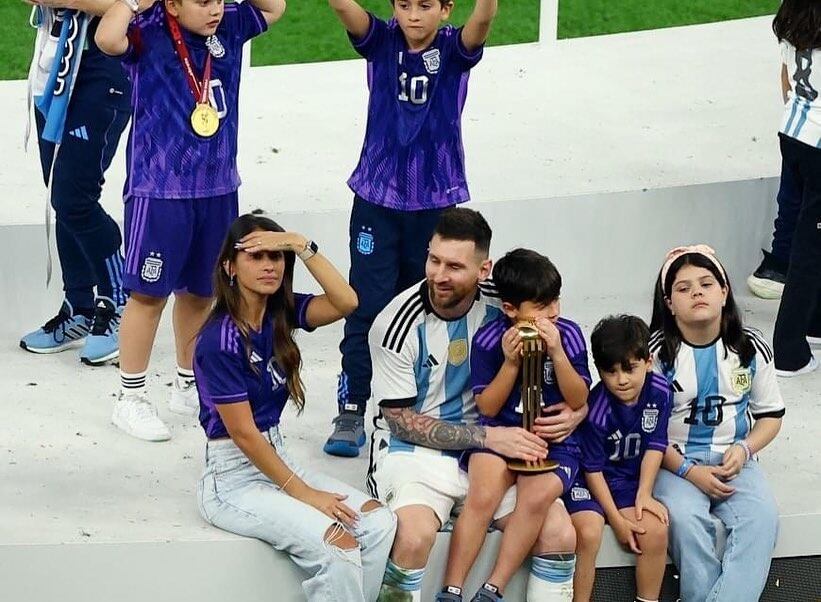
309 31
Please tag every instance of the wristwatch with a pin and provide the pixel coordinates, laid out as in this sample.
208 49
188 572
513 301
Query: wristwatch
134 5
310 250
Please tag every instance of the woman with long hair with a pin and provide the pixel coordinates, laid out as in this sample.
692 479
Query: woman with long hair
247 364
726 409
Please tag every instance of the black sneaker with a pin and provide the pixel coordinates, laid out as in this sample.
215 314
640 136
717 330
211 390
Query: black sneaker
768 279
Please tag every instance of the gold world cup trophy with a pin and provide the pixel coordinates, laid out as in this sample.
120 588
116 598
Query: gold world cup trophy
532 374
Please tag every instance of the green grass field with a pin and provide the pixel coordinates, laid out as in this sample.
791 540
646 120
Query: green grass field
310 32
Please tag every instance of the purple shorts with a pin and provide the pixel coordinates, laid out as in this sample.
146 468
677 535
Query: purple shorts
579 497
173 244
567 470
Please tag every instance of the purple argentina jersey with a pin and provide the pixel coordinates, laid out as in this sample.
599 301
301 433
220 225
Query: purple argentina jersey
164 157
413 157
486 357
615 436
226 374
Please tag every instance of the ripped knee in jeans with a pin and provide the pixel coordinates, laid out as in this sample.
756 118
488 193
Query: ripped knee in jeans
341 544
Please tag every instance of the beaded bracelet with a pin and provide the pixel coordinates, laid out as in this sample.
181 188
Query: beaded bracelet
746 447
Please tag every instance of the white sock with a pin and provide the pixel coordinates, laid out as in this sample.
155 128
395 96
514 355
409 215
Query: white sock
132 383
551 578
185 377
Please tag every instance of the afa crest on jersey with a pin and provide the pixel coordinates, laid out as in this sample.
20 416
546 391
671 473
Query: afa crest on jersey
432 60
549 378
457 352
649 419
215 47
741 380
152 268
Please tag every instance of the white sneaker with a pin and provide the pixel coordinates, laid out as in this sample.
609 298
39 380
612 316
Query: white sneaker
814 341
185 398
811 365
135 415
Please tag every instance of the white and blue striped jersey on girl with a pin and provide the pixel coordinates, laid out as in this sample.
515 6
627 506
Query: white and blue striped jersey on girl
422 360
715 398
802 113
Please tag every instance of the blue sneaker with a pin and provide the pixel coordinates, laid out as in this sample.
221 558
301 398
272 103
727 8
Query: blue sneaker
449 593
103 344
487 593
348 436
63 331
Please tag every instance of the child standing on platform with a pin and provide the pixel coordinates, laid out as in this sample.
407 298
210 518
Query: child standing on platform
623 442
411 168
184 59
81 107
798 28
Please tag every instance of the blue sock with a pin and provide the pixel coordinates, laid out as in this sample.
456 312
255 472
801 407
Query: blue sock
398 580
551 577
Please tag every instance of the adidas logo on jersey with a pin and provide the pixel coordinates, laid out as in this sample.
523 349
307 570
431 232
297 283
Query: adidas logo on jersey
255 358
81 133
431 362
615 436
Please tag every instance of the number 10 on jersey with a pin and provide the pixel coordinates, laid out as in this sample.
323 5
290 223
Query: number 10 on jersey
416 92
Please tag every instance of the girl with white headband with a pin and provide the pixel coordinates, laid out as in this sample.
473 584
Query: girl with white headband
726 408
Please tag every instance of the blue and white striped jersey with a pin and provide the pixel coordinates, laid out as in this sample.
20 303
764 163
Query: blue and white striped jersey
421 360
802 113
715 399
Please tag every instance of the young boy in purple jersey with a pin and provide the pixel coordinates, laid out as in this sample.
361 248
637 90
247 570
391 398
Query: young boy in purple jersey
248 366
529 286
410 169
184 59
623 443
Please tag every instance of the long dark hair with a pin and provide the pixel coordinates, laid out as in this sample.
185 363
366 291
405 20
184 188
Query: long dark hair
731 331
799 23
279 307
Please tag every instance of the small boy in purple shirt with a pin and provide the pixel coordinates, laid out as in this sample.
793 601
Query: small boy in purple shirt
410 169
184 59
623 442
529 286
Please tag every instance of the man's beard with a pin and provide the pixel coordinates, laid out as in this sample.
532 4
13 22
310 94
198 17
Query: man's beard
447 300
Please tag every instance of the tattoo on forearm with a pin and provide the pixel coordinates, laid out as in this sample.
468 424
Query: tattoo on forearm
415 428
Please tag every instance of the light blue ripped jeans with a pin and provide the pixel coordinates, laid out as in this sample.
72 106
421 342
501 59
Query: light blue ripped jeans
750 517
235 496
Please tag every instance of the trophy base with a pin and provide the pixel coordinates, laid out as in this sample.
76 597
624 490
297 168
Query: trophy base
532 467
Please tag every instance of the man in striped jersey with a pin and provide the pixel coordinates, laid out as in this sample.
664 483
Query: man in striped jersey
420 348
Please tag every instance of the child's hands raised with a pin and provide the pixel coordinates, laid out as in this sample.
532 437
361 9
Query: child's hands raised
550 335
512 346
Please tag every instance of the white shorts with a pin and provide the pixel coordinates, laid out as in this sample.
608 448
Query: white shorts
423 478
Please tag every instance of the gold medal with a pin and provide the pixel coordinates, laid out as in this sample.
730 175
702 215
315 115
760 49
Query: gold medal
205 120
